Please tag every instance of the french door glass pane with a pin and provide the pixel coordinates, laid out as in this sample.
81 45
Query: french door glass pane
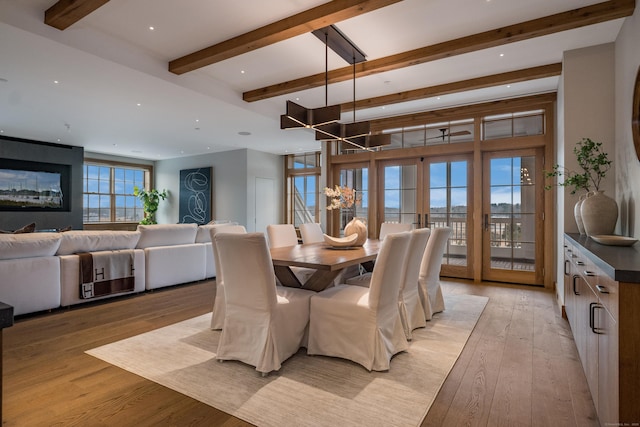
357 179
448 207
400 195
512 218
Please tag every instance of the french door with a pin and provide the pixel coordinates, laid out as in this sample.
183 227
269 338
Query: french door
512 217
432 192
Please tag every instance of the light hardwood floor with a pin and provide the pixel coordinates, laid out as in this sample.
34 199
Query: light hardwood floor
519 368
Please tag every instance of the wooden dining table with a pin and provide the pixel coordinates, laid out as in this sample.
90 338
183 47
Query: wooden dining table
326 260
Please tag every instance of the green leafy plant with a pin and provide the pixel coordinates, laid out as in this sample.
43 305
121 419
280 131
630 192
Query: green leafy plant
150 201
594 164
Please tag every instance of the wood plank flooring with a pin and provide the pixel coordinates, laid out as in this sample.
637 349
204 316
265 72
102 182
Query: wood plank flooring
519 368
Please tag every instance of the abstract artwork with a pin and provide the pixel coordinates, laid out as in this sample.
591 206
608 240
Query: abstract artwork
195 195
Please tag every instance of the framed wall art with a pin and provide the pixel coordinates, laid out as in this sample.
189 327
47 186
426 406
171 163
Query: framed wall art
195 195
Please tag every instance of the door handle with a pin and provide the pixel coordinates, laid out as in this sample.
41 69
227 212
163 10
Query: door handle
486 222
566 262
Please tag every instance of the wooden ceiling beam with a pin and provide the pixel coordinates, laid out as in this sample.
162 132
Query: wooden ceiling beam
461 112
510 77
65 13
575 18
301 23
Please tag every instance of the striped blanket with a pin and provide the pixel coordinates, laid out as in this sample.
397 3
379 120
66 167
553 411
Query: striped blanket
106 272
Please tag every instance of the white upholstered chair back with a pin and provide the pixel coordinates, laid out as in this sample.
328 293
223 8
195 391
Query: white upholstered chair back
393 227
363 324
264 324
281 235
429 279
387 272
217 316
311 232
409 303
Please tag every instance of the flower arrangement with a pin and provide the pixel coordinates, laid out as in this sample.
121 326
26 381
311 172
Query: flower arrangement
342 197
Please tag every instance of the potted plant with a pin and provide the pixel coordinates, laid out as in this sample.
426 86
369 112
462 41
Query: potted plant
150 201
600 214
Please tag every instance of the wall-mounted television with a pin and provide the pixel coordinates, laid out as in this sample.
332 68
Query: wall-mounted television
34 186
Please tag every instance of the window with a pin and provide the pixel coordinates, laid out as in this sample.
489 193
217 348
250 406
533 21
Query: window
108 191
303 180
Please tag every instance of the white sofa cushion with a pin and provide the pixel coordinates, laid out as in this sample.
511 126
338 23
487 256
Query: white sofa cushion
30 284
166 235
172 265
76 241
28 245
203 235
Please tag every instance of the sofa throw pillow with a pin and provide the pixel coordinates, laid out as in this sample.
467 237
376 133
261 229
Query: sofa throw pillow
29 228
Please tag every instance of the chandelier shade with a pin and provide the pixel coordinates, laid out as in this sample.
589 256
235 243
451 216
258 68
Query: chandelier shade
297 116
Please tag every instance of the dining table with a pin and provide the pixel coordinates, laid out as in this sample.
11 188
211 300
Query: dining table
328 261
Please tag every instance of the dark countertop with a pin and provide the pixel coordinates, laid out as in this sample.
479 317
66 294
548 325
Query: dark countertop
622 263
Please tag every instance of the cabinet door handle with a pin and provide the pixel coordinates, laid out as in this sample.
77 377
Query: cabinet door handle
589 273
602 289
575 276
566 262
592 315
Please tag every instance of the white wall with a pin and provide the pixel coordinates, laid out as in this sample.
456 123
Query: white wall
268 166
234 175
627 61
586 99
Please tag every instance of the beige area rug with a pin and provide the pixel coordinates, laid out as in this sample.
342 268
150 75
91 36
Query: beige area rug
308 390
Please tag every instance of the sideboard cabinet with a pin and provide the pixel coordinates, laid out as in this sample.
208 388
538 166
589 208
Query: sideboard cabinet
602 303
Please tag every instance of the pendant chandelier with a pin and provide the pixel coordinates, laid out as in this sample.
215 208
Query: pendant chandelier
326 120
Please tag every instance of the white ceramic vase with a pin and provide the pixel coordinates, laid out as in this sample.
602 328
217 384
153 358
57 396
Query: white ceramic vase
357 226
599 214
578 214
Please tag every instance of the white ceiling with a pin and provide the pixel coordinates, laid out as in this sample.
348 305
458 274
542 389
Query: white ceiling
110 61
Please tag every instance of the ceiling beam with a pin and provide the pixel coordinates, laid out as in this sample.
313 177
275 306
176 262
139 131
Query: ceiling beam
301 23
551 24
460 112
533 73
65 13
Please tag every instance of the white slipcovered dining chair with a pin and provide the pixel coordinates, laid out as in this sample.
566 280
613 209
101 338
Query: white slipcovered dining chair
264 324
363 324
409 301
311 232
217 316
393 227
285 235
429 279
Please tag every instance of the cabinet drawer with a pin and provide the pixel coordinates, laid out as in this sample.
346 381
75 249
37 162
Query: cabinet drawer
607 290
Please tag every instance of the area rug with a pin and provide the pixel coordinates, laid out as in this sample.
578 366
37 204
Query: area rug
307 390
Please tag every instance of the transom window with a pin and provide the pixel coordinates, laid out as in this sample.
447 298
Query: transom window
108 192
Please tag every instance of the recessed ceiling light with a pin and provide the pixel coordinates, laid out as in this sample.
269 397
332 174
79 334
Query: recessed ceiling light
152 28
244 133
297 99
241 71
56 81
508 85
197 120
208 148
138 104
58 139
501 55
1 131
438 98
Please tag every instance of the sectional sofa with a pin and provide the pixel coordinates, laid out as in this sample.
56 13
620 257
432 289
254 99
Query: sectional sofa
42 271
